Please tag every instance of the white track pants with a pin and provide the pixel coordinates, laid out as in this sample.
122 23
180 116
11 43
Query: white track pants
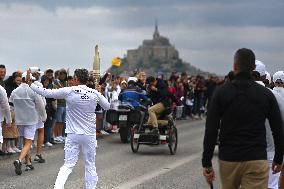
273 178
72 149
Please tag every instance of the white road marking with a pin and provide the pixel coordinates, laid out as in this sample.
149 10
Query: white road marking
141 179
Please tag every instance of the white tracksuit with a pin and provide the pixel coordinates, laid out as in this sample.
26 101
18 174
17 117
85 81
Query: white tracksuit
80 128
5 109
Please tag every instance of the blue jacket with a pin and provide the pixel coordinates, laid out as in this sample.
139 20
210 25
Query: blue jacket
132 95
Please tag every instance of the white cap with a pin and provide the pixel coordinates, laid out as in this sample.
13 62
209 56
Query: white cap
132 79
41 72
24 75
34 69
260 67
278 76
268 76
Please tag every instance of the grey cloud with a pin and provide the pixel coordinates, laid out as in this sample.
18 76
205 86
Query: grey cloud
206 12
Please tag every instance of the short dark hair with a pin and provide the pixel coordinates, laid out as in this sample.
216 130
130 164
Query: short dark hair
131 82
82 75
230 76
2 66
49 71
16 74
150 79
245 60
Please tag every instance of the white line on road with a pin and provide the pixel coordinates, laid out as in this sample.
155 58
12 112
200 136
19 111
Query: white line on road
141 179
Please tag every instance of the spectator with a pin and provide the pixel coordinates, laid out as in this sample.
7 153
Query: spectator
141 83
123 85
11 134
50 111
40 127
112 95
210 88
117 83
198 96
5 109
49 75
13 82
27 107
70 81
229 77
180 99
2 75
35 71
237 110
61 82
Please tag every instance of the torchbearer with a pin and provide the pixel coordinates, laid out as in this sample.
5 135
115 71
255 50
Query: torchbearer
80 125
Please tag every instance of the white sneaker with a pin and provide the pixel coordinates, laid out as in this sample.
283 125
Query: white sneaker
10 150
58 139
115 130
16 149
61 138
48 144
196 117
104 132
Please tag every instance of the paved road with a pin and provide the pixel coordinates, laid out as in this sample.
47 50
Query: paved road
119 168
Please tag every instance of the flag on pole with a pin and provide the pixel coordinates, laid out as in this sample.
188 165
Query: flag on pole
116 62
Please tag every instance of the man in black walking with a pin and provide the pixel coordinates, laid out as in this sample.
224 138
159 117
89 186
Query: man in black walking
238 112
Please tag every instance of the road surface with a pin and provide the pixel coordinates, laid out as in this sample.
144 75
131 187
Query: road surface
119 168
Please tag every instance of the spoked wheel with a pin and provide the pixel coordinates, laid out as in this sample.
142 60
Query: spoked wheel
134 142
173 140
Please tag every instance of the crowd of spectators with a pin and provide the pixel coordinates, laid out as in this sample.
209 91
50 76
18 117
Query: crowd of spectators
192 95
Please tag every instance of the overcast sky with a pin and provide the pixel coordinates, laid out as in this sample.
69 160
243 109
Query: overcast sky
63 33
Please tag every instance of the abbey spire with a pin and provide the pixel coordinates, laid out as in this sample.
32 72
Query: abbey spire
156 33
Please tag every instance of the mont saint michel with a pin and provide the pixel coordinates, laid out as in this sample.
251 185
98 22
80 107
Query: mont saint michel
153 56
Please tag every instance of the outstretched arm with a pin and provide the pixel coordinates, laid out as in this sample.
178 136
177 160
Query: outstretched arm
51 93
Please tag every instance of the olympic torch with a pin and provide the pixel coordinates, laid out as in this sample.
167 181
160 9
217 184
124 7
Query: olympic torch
96 65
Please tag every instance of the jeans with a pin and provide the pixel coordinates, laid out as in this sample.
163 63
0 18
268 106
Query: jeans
48 130
61 117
